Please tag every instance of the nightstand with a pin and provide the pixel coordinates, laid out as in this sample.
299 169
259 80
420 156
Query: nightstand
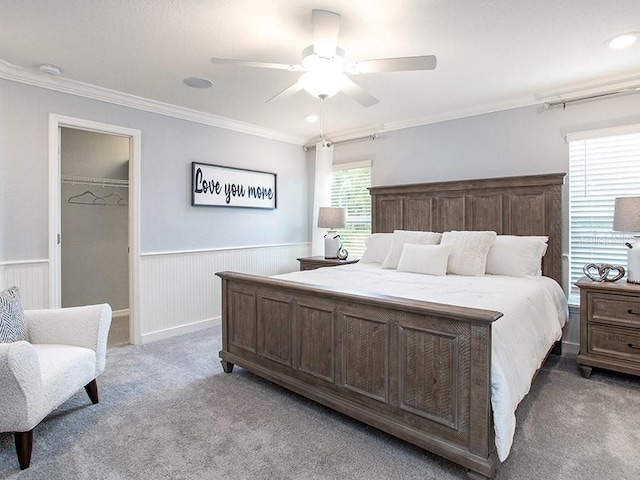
311 263
609 326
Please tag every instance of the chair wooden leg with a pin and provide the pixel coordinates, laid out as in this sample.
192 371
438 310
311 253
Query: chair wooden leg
92 390
24 443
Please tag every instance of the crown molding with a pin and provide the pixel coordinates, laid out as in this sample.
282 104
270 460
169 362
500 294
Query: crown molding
578 89
590 87
65 85
81 89
348 135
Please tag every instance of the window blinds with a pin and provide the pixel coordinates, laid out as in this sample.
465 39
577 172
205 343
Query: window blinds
600 169
350 190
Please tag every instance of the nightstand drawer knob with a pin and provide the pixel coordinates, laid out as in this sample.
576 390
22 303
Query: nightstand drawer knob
632 312
631 345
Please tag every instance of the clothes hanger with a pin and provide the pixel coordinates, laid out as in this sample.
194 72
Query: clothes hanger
87 198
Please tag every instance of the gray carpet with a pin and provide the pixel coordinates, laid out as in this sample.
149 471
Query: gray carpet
168 411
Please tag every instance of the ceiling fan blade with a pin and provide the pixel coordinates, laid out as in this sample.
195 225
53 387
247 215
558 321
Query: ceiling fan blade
250 63
359 94
326 26
401 64
286 93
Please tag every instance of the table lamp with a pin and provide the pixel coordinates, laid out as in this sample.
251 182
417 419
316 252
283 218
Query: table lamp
332 218
626 218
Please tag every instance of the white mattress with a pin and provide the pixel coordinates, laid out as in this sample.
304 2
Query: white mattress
535 310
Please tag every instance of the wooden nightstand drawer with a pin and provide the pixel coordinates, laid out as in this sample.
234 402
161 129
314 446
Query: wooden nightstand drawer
614 342
614 309
609 326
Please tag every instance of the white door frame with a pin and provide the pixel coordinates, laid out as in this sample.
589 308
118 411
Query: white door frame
55 210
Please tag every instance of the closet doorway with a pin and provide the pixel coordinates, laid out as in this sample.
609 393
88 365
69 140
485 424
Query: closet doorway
94 220
94 203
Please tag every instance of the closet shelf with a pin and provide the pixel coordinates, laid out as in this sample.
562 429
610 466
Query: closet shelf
95 181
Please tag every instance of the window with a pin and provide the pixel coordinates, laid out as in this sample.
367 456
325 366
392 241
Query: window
350 189
603 165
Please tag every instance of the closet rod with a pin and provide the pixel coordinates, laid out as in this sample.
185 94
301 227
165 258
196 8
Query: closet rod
118 182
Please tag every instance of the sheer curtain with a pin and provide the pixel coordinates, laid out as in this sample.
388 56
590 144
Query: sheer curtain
321 192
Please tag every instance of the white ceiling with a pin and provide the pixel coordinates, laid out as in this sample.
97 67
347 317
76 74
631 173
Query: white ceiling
492 54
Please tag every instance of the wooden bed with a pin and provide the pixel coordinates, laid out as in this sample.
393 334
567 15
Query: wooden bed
358 353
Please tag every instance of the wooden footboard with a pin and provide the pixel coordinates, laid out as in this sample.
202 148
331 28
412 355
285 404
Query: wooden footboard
417 370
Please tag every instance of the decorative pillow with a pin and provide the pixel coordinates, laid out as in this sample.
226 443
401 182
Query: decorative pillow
13 326
469 251
516 256
400 237
425 259
378 246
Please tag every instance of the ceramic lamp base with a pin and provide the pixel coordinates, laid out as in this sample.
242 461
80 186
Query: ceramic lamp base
331 244
633 263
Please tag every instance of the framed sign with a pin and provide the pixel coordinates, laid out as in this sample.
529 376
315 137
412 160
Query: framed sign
217 186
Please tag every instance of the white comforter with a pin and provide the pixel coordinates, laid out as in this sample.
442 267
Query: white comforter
534 308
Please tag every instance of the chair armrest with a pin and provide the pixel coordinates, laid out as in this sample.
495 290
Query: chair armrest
86 326
20 387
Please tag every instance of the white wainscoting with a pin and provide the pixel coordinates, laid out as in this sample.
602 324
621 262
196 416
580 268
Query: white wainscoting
32 277
180 292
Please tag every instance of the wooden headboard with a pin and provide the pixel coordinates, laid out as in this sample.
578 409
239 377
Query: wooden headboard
526 205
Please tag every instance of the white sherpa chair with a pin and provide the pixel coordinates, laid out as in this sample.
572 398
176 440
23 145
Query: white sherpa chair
66 351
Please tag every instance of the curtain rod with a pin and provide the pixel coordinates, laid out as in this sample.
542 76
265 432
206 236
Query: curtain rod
310 146
564 103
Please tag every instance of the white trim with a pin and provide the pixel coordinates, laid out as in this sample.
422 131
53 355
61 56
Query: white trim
571 348
135 136
55 212
590 87
73 87
24 262
221 249
64 85
349 165
603 132
120 313
181 330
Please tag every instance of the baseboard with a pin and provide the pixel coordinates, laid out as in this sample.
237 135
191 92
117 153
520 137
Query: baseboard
120 313
570 348
181 330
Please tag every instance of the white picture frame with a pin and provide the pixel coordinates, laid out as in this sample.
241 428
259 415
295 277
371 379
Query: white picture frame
220 186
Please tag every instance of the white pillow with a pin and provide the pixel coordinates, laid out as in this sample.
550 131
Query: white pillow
425 259
400 237
516 256
469 251
377 248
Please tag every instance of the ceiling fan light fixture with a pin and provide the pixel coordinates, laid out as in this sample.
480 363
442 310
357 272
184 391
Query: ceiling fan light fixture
322 84
313 60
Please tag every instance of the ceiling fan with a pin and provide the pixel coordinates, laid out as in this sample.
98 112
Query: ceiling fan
325 71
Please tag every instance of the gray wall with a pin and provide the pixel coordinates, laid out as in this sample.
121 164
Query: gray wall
95 260
169 145
522 141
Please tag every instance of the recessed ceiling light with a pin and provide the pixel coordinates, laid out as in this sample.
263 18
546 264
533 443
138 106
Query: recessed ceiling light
311 118
50 69
623 40
196 82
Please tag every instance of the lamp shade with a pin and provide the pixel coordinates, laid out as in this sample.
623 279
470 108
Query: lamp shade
626 216
332 217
